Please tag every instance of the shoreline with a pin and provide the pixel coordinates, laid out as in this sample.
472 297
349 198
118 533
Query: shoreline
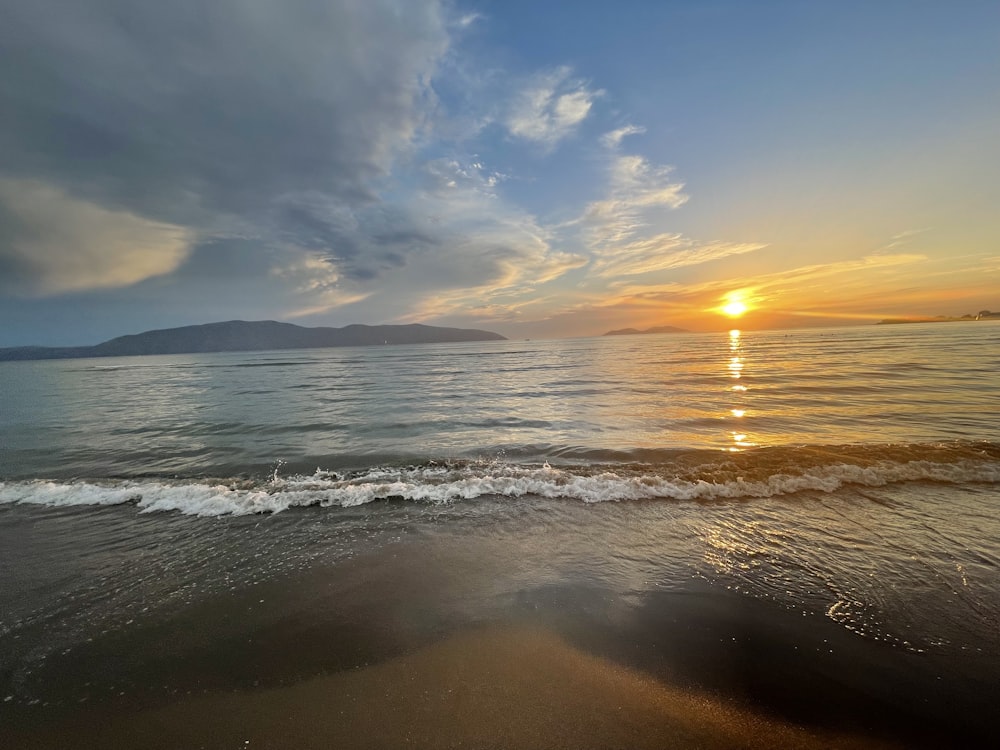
408 643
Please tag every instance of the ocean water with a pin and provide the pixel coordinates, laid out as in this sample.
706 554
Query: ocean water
839 487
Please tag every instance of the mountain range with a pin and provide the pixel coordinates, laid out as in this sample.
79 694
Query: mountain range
247 336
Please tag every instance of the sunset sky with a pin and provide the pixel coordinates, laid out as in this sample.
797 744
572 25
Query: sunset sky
538 169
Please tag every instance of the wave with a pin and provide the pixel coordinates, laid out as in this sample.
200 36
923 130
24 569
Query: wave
664 475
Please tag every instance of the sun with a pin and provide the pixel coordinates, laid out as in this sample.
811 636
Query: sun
734 309
736 304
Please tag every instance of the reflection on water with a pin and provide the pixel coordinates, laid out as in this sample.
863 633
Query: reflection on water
352 407
736 371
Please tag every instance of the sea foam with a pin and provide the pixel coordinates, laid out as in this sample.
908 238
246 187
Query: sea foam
723 478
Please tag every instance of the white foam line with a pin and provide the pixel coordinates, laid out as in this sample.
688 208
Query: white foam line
443 484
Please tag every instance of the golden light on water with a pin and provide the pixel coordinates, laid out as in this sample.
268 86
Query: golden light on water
735 362
735 366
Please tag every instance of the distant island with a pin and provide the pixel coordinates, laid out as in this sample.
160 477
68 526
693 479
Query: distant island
654 329
981 315
244 336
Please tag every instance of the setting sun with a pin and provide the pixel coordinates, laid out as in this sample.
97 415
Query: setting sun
734 309
734 306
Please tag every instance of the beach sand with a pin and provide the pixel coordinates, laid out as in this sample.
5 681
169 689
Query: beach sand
508 687
488 638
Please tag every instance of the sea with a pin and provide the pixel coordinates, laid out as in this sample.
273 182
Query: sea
804 524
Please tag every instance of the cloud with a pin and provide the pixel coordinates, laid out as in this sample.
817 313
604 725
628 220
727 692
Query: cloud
451 177
273 117
284 133
315 280
804 292
803 281
491 246
805 287
635 186
451 245
903 238
464 21
662 252
489 260
53 243
613 139
550 107
616 228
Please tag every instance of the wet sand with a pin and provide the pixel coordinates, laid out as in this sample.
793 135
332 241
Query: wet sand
512 687
460 639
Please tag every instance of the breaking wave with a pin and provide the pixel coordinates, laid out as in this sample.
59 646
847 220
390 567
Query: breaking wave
693 476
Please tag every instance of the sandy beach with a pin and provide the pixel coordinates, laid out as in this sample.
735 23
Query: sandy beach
395 648
513 687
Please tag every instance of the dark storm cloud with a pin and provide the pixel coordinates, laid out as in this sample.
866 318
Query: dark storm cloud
228 260
362 241
272 117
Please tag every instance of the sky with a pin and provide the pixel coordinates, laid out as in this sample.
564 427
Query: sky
538 169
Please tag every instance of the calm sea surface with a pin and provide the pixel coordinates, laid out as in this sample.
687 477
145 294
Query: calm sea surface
598 399
850 477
